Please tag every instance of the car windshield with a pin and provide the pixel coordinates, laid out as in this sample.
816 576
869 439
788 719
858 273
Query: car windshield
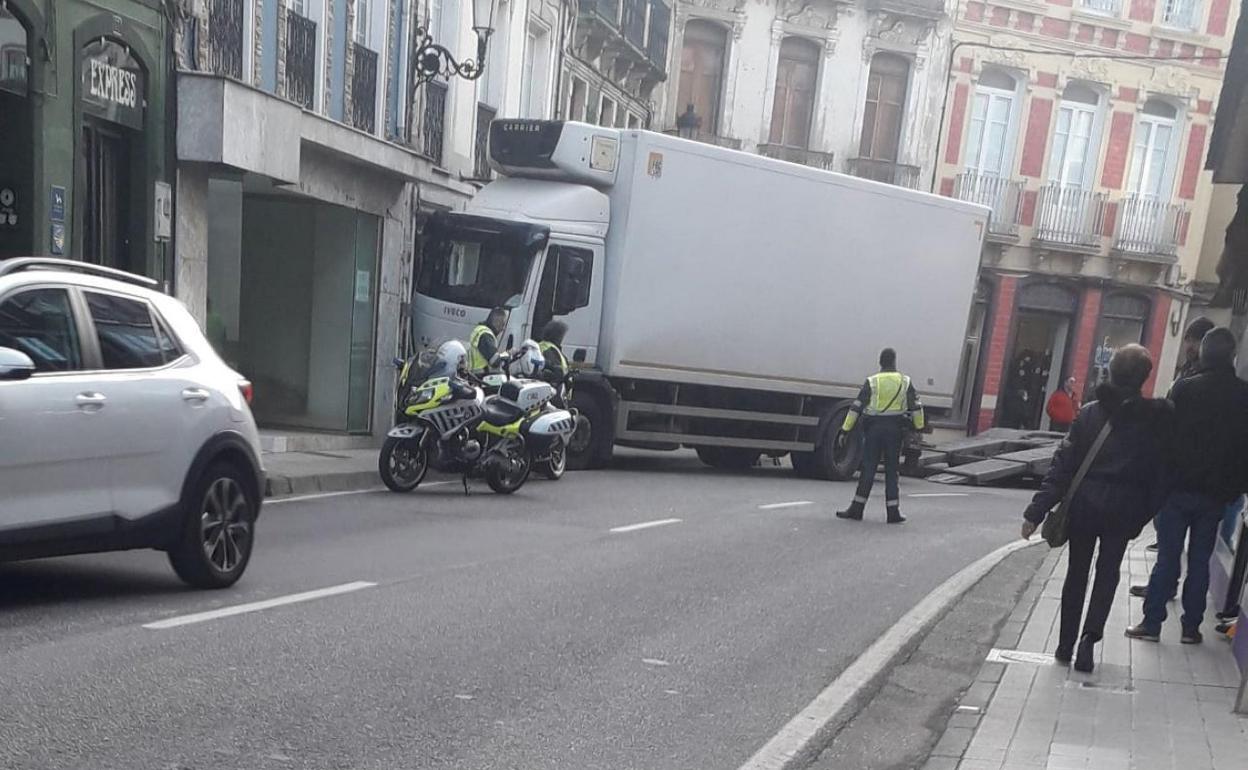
478 262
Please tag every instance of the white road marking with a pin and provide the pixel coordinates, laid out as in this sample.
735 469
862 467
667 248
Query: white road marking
643 525
242 609
462 696
789 747
655 662
323 495
794 504
996 655
940 494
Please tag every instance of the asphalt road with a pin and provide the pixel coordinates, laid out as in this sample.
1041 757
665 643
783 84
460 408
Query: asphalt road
501 633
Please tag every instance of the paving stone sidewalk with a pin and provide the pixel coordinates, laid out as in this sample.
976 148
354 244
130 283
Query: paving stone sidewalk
1145 706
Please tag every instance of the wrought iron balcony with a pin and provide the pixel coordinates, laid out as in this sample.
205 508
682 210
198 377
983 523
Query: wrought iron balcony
481 145
1001 194
300 59
1069 215
429 136
364 89
608 11
225 38
705 137
1149 227
812 158
629 38
887 171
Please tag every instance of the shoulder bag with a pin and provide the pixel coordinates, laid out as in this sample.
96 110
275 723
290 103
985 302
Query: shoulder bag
1056 527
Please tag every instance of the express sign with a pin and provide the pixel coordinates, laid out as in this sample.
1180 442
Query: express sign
113 83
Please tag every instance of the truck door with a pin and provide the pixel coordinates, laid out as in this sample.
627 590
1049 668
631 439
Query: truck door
570 290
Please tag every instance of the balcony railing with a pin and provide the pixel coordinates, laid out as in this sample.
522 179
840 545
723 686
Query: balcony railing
706 137
886 171
364 89
633 23
481 145
1001 194
430 138
1107 7
1181 14
1070 216
1148 226
225 38
300 59
812 158
656 43
920 9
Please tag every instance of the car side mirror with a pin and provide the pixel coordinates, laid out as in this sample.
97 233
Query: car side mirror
15 365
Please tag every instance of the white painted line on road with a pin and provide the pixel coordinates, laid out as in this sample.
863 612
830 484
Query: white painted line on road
996 655
643 525
242 609
940 494
794 504
790 747
323 495
655 662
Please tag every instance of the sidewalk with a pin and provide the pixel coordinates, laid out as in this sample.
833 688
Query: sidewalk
309 472
1145 706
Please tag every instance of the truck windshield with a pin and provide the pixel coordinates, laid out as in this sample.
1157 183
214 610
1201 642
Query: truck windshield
476 261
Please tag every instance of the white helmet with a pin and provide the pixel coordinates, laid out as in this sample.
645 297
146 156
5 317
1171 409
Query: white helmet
528 361
453 356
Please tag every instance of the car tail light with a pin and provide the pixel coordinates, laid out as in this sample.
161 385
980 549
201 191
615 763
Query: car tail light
245 387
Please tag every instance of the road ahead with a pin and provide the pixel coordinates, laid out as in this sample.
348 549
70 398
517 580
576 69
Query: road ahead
501 633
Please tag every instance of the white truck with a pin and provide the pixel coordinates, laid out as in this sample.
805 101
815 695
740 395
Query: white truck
714 299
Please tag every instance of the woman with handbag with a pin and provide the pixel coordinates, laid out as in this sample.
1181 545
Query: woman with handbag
1108 475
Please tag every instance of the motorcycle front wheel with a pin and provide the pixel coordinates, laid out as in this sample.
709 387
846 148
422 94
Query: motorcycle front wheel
508 473
402 464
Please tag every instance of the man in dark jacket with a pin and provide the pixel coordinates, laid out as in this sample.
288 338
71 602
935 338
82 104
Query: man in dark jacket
1116 499
1209 463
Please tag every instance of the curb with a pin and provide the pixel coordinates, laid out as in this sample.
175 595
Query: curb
798 740
348 481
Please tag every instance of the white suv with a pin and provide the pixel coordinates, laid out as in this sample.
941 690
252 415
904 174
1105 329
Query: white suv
120 427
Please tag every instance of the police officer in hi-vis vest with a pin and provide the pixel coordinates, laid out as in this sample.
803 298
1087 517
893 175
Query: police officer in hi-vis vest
887 403
483 342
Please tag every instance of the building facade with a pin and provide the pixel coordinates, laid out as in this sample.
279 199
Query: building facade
1083 125
307 163
846 86
86 160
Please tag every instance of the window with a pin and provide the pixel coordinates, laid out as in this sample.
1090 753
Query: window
536 73
1107 7
40 323
1151 170
12 53
1181 14
299 7
606 113
702 71
989 143
634 121
577 99
794 103
363 20
1071 160
886 103
127 334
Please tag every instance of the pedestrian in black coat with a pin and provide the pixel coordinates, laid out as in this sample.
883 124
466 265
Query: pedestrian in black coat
1121 492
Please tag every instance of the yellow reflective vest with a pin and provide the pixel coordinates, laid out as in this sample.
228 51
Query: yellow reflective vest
476 361
886 394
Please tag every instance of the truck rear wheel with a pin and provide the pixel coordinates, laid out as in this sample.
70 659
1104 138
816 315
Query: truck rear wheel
590 446
728 458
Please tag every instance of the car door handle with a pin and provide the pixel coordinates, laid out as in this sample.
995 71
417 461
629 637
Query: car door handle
90 402
195 394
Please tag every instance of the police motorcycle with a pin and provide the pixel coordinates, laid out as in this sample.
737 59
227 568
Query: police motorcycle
444 419
549 427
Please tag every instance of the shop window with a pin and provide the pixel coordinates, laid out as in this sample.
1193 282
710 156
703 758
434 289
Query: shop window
794 102
1123 320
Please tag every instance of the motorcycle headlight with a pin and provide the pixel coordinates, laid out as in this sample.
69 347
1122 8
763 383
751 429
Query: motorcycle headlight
421 396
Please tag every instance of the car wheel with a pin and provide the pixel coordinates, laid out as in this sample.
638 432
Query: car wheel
218 529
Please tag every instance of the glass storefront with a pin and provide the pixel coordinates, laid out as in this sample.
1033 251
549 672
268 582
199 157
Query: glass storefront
293 305
1123 318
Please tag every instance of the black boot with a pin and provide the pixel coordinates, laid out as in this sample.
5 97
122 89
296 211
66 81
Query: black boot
853 513
894 515
1083 658
1064 653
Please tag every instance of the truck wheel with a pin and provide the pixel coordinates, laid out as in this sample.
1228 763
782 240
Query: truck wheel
590 446
833 462
728 458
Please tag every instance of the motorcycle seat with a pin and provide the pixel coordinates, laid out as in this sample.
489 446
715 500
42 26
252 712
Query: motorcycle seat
500 413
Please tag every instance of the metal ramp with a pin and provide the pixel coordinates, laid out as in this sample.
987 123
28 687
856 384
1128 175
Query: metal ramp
995 455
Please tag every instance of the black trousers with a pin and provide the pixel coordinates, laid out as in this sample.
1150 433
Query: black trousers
883 441
1085 536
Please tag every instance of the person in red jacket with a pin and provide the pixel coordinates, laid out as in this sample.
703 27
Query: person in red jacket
1063 406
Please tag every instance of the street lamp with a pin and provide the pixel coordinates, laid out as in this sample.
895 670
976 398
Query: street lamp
430 60
688 123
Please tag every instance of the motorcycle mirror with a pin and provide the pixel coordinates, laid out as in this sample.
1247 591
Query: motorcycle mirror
398 362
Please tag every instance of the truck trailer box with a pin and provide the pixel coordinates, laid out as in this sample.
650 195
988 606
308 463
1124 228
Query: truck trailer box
736 270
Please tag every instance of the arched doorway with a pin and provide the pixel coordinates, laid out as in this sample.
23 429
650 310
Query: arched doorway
112 190
1037 361
17 149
